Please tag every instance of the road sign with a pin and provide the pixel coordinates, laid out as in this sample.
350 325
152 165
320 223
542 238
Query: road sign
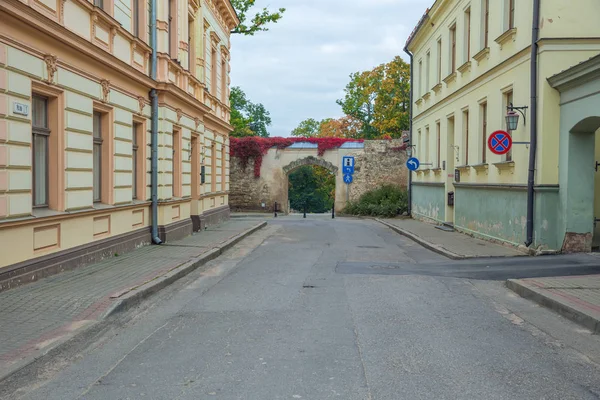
500 142
413 164
347 179
348 165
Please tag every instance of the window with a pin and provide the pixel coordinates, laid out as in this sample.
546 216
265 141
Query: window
190 44
439 61
486 23
135 17
97 156
511 14
453 49
213 167
483 113
223 168
467 34
41 134
427 144
420 80
135 160
427 70
172 28
223 80
99 3
438 144
508 100
213 72
466 137
176 166
149 8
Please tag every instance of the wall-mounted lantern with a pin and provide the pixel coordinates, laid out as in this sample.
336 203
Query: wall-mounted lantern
409 149
512 118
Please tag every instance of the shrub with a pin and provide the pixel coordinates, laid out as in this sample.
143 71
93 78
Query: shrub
386 201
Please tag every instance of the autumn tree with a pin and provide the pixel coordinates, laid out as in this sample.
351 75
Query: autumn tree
379 99
249 25
345 127
247 118
307 128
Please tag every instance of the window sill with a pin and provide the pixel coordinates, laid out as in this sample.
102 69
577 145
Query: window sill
426 96
463 167
466 67
483 54
481 167
437 171
419 101
437 88
506 37
507 166
450 78
102 206
46 212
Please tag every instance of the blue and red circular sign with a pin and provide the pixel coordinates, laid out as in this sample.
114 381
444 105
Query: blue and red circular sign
500 142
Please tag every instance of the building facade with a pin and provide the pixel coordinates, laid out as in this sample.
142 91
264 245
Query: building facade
472 59
75 126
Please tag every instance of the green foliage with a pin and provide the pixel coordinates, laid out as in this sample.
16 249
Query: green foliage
259 20
247 118
379 99
386 201
308 128
313 187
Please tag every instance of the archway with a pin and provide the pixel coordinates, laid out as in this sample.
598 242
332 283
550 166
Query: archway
310 183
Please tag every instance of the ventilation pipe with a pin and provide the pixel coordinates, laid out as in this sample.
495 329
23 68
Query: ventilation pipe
533 127
154 126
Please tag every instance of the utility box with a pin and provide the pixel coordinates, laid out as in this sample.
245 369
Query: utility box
450 198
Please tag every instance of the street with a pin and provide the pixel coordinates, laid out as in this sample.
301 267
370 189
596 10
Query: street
316 309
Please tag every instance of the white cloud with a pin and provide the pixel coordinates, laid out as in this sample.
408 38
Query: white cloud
300 67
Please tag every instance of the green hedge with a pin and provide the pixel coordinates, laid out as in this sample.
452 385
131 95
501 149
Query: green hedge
386 201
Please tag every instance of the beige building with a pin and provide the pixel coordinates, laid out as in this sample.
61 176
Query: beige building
76 137
472 59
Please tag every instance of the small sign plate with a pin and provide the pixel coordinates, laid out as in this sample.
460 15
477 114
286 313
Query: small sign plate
21 109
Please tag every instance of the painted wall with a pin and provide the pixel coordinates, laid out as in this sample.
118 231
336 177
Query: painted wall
486 78
429 202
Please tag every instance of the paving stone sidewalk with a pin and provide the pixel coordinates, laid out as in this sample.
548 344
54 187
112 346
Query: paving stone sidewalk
575 297
454 245
35 316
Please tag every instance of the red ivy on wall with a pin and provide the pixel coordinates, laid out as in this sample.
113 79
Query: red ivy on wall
254 147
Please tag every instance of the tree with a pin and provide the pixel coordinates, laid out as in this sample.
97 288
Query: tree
313 187
307 128
247 118
258 22
379 99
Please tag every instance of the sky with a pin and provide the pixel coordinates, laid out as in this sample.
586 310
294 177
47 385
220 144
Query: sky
299 68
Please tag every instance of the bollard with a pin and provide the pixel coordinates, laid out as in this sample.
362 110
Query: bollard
304 210
275 209
333 212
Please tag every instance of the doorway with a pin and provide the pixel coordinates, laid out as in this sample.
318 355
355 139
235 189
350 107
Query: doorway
451 152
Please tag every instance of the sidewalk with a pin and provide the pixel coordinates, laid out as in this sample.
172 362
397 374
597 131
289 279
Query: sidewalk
454 245
574 297
39 316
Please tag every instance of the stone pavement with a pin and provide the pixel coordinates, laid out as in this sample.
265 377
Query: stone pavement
454 245
574 297
35 317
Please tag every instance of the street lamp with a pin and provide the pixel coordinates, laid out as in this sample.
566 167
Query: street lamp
409 150
512 118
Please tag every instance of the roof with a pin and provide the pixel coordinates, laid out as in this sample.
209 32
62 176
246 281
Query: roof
586 68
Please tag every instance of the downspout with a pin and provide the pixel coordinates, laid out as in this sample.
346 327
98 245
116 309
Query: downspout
410 129
533 128
154 126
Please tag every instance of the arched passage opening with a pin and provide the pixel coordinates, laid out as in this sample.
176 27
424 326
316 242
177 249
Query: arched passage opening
310 184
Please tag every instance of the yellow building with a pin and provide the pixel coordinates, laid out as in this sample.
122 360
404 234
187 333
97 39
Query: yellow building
471 60
78 79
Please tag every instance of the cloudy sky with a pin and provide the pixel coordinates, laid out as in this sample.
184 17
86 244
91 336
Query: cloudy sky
301 65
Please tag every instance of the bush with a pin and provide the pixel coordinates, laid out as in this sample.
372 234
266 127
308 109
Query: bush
386 201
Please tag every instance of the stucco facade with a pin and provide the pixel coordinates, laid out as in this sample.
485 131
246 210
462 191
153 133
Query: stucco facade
75 126
472 58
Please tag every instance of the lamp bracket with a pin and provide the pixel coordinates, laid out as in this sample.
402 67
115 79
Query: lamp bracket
521 110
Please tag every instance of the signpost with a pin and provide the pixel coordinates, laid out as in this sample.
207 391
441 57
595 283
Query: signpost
348 165
347 179
500 142
413 164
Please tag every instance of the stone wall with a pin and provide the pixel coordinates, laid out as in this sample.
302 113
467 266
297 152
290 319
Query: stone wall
379 162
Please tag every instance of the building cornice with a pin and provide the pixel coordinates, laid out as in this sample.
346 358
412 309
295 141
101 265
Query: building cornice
577 75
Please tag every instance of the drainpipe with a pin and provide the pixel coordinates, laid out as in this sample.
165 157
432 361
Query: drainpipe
410 129
154 127
533 128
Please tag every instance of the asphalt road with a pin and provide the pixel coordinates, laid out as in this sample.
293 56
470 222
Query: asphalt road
308 309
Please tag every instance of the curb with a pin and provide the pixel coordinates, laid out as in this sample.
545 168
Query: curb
140 293
537 295
431 246
132 298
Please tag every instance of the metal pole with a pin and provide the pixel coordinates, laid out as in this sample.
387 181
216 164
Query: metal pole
305 209
333 211
275 209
